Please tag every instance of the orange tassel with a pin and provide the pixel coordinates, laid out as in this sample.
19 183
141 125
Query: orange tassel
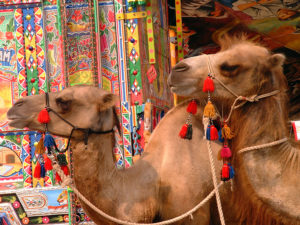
40 148
209 110
208 85
226 132
43 116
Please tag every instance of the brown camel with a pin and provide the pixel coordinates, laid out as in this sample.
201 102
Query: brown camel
267 184
173 175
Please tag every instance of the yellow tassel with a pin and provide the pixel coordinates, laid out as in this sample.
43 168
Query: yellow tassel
40 148
226 132
209 110
219 155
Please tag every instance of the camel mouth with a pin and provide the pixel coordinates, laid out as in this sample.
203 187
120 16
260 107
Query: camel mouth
16 122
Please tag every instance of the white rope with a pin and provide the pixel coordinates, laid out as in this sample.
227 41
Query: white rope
214 177
113 219
270 144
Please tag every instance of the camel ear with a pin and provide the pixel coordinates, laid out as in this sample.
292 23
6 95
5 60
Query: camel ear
277 60
107 101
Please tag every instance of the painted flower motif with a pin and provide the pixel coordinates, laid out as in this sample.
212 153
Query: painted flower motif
16 204
103 42
25 220
86 218
102 26
77 15
50 46
111 16
49 29
66 218
46 219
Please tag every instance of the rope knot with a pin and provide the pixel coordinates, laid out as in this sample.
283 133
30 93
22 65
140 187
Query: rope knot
253 98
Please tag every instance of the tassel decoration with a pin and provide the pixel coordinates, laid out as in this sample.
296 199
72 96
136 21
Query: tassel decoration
208 85
65 169
209 110
37 170
43 171
43 116
183 131
213 133
225 172
208 132
57 178
49 141
226 132
62 160
225 152
48 163
189 133
221 139
192 107
231 171
39 148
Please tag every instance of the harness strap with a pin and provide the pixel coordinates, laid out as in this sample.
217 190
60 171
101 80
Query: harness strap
86 131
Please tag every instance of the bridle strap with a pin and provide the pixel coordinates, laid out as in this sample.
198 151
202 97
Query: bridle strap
86 131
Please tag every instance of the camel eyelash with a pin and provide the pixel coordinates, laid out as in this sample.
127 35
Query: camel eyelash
228 68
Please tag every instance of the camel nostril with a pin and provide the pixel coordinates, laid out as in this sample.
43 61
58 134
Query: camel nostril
181 67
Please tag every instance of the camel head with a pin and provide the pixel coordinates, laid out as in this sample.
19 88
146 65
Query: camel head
244 67
83 106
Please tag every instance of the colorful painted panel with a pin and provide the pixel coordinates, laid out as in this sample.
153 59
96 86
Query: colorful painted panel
8 65
44 202
9 2
80 47
11 169
8 214
54 63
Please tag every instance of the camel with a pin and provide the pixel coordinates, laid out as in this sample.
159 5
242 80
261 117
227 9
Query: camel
173 174
267 181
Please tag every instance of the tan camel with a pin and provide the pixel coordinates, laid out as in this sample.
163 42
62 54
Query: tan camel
267 184
173 175
169 179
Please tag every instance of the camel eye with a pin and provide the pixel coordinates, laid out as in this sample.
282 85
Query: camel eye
229 70
64 105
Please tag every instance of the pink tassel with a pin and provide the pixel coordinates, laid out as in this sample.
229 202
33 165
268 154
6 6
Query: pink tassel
225 152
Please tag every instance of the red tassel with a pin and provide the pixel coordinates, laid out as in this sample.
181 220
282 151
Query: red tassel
183 131
37 170
48 163
65 169
43 116
225 172
192 107
208 85
213 133
57 178
225 152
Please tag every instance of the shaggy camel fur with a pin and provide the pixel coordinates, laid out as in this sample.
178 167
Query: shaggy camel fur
267 181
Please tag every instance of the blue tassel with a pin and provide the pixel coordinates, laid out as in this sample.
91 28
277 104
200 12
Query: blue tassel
208 132
221 139
49 141
43 170
231 171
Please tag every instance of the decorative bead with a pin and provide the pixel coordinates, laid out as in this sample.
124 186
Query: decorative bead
32 80
35 144
30 48
130 8
28 17
134 72
132 40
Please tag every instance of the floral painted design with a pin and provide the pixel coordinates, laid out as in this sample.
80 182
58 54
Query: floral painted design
46 219
77 16
16 204
25 220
